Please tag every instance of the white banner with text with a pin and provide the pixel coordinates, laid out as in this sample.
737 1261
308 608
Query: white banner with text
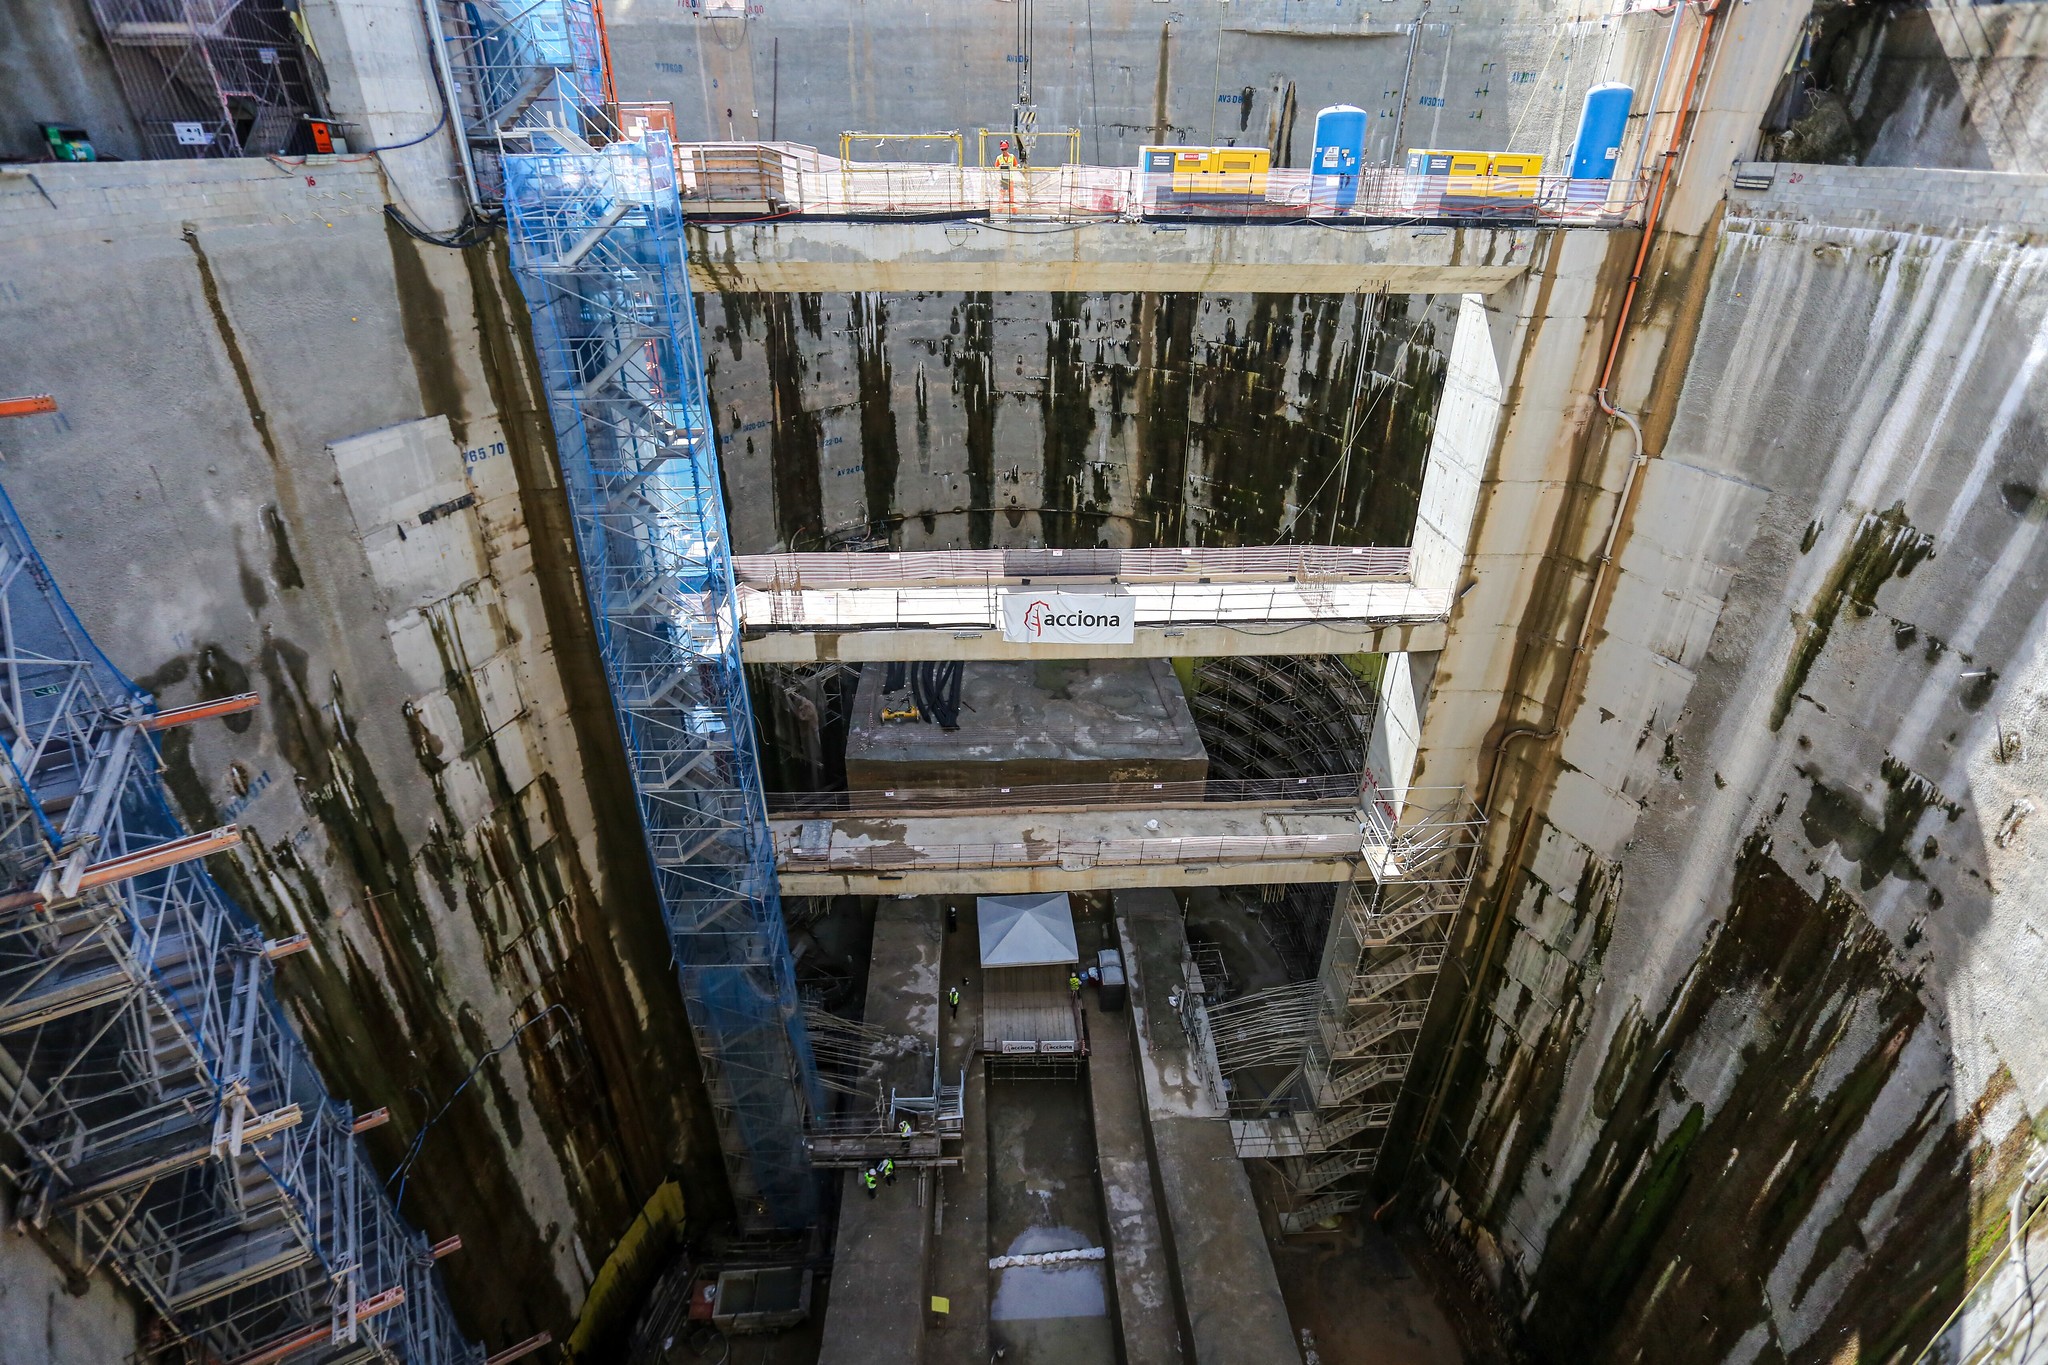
1107 616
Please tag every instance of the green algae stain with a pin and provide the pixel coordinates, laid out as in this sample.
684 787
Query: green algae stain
1075 503
1680 1218
881 453
1886 546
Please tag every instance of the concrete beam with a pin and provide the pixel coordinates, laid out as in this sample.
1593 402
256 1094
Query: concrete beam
808 255
876 1312
1236 1314
1075 850
1153 642
959 621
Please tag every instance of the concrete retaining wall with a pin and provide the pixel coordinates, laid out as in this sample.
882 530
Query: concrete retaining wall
979 420
1762 1050
298 453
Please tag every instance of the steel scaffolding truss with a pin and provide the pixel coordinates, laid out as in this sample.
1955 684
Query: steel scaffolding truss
1316 1067
208 77
161 1118
597 245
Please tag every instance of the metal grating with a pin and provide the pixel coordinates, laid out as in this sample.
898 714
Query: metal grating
597 245
164 1120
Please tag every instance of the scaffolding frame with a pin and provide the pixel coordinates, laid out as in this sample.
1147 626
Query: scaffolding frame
521 69
208 78
597 247
1343 1043
162 1119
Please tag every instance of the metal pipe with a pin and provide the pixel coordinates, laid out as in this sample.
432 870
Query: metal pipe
1601 579
456 127
1656 90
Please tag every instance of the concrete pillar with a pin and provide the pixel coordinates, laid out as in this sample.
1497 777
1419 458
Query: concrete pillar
382 83
1390 750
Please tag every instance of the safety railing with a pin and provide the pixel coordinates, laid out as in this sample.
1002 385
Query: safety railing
1277 563
750 179
970 606
1072 854
1325 792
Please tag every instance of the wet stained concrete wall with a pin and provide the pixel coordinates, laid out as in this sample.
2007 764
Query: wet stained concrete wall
1937 86
1758 1054
979 420
1125 72
300 453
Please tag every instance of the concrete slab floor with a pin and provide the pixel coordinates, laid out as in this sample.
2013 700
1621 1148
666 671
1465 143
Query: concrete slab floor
1145 1310
1235 1311
1057 720
1361 1303
959 1260
878 1298
1043 1197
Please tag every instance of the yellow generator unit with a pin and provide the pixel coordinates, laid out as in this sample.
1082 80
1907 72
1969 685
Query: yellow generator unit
1515 178
1204 175
1474 180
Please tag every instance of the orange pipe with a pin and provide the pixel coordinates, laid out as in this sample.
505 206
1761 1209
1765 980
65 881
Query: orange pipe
1635 279
27 407
604 45
201 710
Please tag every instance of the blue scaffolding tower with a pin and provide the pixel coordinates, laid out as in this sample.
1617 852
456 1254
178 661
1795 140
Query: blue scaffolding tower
163 1118
519 68
598 248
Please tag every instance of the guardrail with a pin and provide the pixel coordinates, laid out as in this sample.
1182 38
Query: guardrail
1070 854
976 606
776 179
1340 790
1277 563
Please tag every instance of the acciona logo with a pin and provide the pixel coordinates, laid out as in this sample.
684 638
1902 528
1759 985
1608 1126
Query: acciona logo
1040 617
1093 618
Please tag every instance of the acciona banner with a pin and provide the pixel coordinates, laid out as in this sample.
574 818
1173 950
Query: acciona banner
1105 617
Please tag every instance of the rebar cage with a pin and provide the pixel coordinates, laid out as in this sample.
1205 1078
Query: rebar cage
597 247
161 1117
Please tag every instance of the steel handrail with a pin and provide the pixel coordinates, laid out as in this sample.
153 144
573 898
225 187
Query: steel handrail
1338 789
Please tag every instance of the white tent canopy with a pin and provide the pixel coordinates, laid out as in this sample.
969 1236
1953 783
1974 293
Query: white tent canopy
1027 931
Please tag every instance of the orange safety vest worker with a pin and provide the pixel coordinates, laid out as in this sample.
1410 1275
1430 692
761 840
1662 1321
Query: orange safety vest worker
1006 170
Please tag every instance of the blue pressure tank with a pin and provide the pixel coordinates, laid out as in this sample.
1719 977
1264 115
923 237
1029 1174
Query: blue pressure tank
1602 122
1340 152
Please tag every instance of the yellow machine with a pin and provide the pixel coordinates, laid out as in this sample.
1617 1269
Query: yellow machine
1204 175
1477 180
1513 177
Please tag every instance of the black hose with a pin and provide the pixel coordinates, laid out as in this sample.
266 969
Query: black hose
475 229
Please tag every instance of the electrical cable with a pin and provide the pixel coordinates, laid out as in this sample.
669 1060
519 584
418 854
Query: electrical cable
475 229
403 1171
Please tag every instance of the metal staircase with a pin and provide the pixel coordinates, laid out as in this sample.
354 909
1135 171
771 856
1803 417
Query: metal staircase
1315 1090
597 246
163 1119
